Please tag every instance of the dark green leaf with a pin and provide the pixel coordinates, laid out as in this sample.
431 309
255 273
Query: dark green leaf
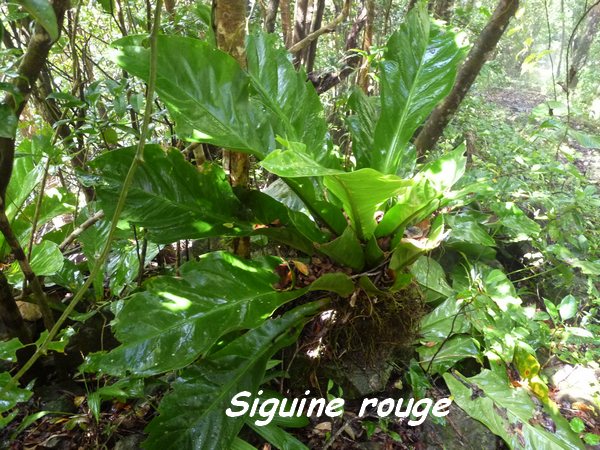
43 13
8 122
170 197
178 319
193 414
205 89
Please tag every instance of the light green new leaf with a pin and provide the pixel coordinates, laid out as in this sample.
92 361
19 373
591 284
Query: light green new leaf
510 413
337 282
43 13
205 89
417 72
170 197
178 319
568 307
362 193
193 414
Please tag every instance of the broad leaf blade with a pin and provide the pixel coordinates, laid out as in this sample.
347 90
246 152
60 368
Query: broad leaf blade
509 412
193 415
418 71
178 319
170 197
43 13
205 89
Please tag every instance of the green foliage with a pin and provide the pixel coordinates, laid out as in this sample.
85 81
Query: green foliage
510 413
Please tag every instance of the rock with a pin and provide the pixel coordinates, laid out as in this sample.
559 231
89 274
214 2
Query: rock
575 383
461 432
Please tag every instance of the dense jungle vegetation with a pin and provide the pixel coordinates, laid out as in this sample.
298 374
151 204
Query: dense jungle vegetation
355 199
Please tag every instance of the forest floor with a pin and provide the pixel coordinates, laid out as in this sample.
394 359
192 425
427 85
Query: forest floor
520 102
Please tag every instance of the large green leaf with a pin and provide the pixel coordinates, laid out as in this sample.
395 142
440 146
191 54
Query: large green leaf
418 71
510 413
205 89
178 319
193 414
431 275
46 259
295 107
43 13
361 125
170 197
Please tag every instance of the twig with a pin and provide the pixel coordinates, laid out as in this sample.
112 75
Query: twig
80 229
331 26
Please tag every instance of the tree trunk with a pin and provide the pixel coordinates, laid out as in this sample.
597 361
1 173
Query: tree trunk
286 22
230 31
443 9
271 15
581 47
363 73
316 22
300 29
481 51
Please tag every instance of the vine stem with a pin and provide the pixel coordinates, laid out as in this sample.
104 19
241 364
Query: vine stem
137 160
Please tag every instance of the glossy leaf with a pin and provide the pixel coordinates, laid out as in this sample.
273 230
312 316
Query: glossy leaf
417 72
362 193
429 274
46 259
178 319
291 100
568 307
205 89
43 13
10 393
193 414
337 282
170 197
278 437
510 413
447 353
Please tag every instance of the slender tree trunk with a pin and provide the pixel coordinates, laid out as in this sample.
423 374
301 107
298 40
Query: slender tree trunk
443 9
230 31
363 73
316 22
271 15
581 47
481 51
29 69
300 28
286 22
